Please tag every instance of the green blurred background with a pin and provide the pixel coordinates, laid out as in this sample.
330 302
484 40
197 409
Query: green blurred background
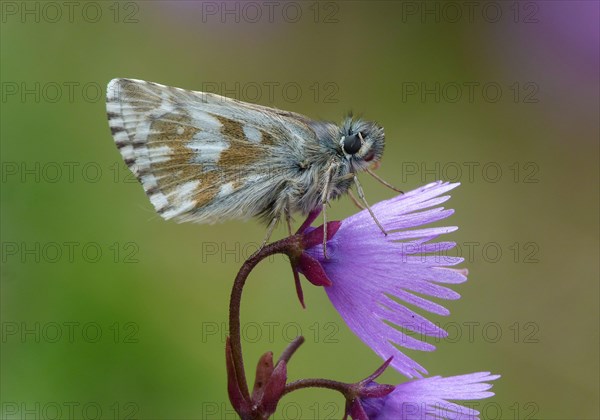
110 312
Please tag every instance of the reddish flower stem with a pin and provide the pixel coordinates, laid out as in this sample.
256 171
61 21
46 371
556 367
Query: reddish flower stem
342 387
293 248
289 246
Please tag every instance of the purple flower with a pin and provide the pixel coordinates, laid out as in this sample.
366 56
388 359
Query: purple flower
371 273
429 398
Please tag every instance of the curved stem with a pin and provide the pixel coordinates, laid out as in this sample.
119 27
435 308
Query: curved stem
285 246
341 387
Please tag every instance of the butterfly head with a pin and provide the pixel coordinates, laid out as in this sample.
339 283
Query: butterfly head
362 143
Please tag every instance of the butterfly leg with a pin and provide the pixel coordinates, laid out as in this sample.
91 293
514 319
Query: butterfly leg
383 181
355 200
272 225
361 194
288 219
270 230
325 230
288 216
324 202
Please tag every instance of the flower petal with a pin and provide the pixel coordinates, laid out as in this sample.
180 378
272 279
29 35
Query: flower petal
429 397
373 275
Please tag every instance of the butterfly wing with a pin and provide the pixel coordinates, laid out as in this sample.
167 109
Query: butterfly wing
200 156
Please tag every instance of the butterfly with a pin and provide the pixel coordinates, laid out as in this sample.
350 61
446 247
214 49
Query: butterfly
205 158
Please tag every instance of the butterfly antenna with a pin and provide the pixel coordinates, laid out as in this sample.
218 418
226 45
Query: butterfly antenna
387 184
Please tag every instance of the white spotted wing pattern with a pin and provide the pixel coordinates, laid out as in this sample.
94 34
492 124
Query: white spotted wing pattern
202 157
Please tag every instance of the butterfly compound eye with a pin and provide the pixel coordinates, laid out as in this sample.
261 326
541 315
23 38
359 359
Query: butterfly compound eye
352 144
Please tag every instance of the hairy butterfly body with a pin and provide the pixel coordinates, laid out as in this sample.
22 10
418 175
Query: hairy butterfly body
205 158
